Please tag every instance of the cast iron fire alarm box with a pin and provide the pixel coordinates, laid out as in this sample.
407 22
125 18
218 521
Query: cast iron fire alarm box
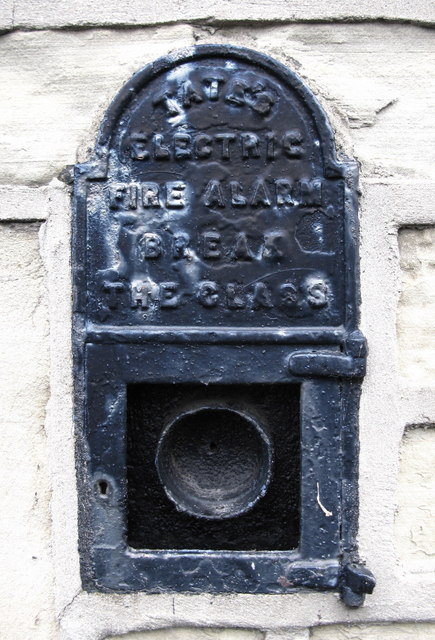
217 352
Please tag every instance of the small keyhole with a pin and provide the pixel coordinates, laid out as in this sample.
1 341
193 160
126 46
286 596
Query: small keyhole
103 487
212 446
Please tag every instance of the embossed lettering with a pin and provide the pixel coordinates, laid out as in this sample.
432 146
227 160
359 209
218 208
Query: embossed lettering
237 199
210 245
149 246
288 294
190 95
271 249
225 138
311 293
140 295
292 143
172 107
113 289
179 246
168 295
208 293
236 95
271 152
254 95
241 250
161 152
150 194
262 296
217 193
311 192
212 86
259 100
260 195
138 143
317 294
226 145
123 195
235 298
182 143
175 194
203 145
283 192
250 143
213 194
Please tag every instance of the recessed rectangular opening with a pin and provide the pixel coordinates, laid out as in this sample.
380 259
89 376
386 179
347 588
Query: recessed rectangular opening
213 467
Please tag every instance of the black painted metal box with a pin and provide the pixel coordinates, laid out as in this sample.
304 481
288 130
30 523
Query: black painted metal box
217 352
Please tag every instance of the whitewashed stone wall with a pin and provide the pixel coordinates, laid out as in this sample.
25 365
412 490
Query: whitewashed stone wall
371 66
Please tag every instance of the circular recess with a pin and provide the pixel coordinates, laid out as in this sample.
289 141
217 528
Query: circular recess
214 462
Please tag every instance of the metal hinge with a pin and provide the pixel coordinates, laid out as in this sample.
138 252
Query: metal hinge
351 364
356 581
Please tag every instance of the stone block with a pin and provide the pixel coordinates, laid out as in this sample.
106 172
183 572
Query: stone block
392 631
361 74
415 518
6 15
416 308
21 203
26 578
57 85
183 633
43 14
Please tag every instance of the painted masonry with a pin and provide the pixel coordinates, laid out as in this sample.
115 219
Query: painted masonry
369 68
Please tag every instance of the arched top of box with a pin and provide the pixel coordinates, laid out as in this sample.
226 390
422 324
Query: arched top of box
215 198
253 88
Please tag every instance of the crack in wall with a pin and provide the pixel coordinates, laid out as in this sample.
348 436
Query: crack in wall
212 22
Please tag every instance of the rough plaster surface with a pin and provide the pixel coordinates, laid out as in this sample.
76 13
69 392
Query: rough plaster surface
288 634
192 634
31 14
6 15
56 86
416 312
373 79
415 518
375 632
23 203
26 576
55 240
388 401
361 74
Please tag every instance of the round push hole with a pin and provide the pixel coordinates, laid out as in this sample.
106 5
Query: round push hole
214 462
